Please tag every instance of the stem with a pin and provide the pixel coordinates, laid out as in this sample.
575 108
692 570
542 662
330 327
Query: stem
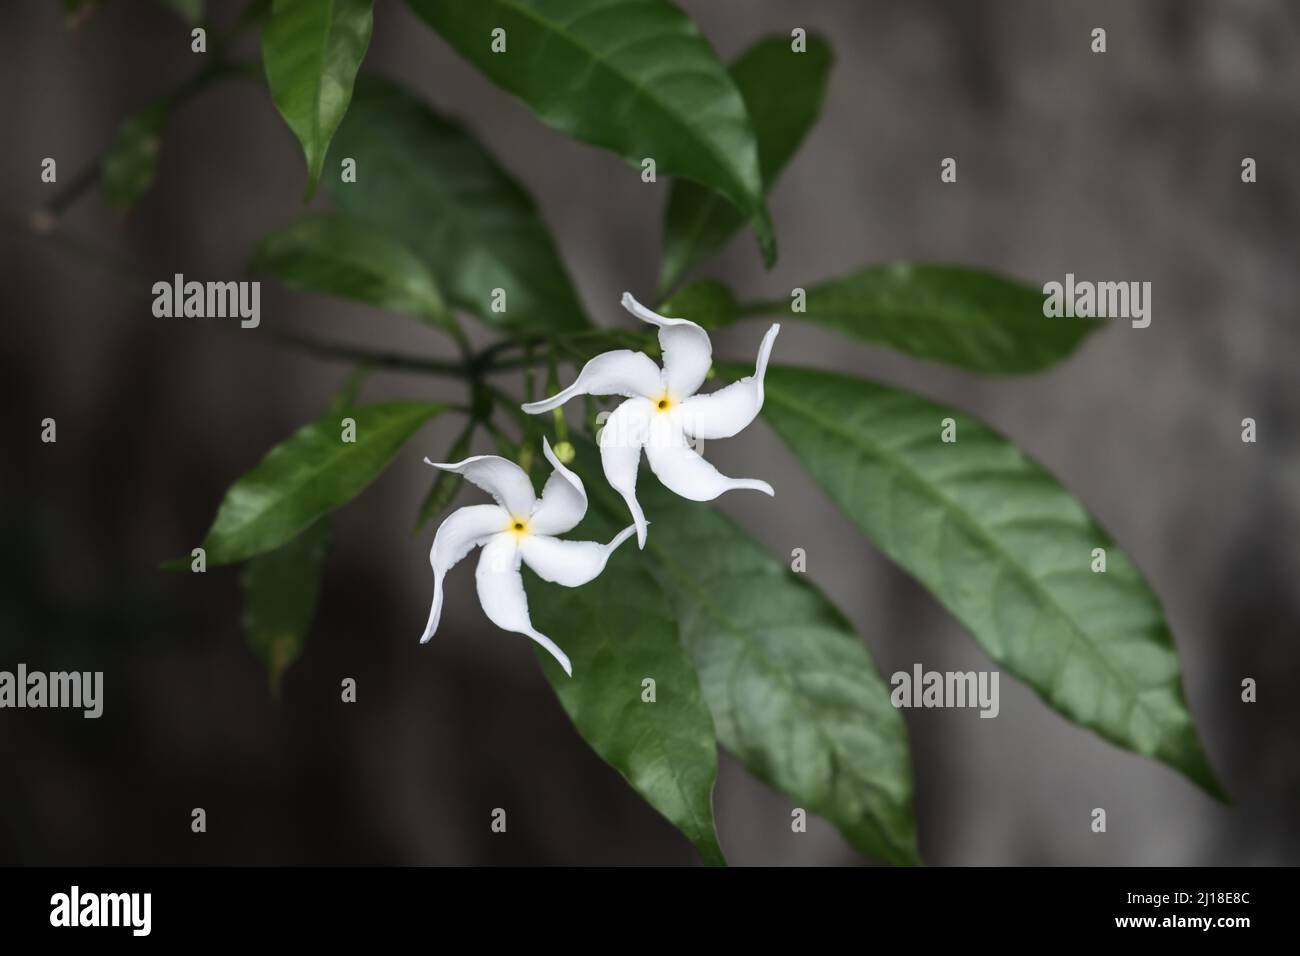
388 360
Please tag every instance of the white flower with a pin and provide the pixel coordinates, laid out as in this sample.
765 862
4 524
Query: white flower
518 527
663 414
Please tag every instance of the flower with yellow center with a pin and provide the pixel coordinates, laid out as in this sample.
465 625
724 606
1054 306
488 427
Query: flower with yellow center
520 527
663 414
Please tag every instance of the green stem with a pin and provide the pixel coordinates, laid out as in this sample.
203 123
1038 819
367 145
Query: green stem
388 360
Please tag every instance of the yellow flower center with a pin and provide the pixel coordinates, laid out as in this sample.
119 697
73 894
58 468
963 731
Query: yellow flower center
664 403
518 526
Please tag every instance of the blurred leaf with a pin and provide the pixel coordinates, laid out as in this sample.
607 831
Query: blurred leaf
311 50
424 180
343 256
129 166
191 11
310 474
617 631
793 692
445 483
280 591
632 76
965 317
1004 547
783 92
346 397
707 303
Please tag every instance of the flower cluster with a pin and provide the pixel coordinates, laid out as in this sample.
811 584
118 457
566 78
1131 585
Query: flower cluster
662 414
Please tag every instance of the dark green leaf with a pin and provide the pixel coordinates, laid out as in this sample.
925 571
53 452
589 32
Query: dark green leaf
707 303
445 483
346 397
347 257
425 180
309 474
1004 547
280 589
793 692
617 631
191 11
632 76
783 93
311 50
131 163
976 320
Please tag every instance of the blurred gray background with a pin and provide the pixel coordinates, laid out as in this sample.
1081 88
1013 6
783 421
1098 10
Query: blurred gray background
1119 166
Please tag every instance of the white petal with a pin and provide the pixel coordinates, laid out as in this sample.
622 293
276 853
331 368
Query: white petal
571 563
722 413
463 530
563 502
501 592
686 348
621 372
621 438
683 471
501 478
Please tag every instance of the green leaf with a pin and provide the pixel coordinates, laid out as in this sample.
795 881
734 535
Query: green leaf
976 320
793 692
617 631
1004 547
312 50
632 76
191 11
343 256
309 474
783 92
128 168
445 483
426 181
280 590
707 303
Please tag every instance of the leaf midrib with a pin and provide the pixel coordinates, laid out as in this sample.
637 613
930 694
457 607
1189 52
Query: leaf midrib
275 501
1079 636
720 159
749 646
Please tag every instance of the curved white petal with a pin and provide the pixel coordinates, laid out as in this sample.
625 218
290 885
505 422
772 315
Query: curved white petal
571 563
464 529
501 478
723 413
501 592
683 471
621 438
620 372
687 351
563 502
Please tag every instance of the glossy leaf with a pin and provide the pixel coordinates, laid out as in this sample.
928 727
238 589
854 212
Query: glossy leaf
346 257
632 76
1004 547
707 303
425 180
311 50
965 317
310 474
618 631
445 483
280 591
131 163
793 692
783 92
